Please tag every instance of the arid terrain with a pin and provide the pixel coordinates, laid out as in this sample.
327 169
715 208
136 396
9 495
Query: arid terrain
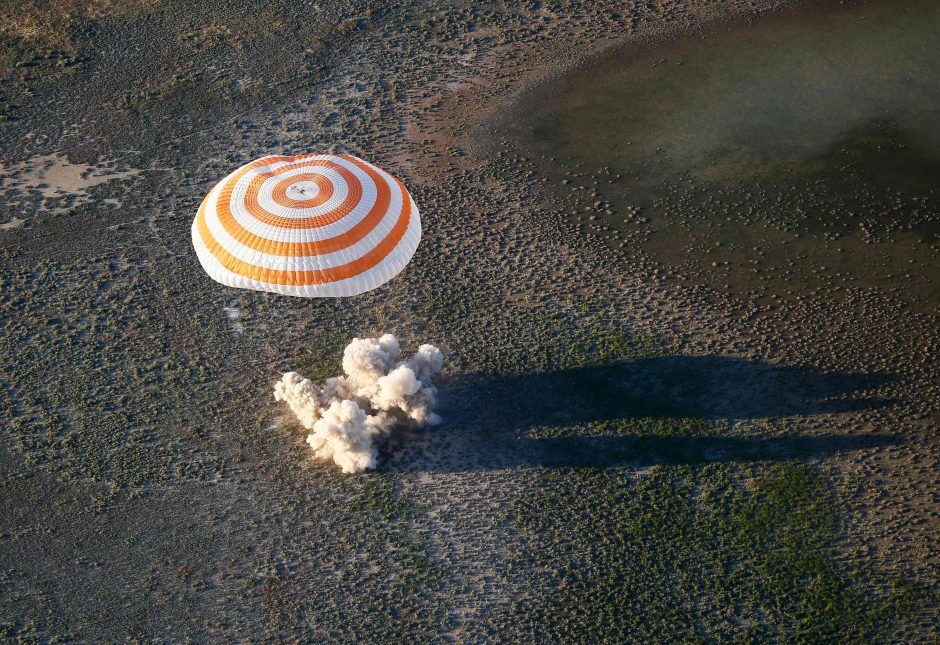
681 257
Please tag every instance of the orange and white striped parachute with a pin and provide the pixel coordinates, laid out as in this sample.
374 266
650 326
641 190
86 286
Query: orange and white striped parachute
311 226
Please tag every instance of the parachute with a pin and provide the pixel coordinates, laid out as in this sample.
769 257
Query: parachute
311 225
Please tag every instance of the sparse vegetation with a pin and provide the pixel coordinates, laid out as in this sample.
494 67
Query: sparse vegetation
751 551
591 482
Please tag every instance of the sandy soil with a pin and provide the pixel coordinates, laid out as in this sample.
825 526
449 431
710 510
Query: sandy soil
622 458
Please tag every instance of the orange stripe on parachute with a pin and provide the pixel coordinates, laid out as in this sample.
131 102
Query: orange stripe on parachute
254 208
318 276
279 194
312 247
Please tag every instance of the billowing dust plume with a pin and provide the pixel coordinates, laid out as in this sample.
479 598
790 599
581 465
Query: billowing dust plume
349 414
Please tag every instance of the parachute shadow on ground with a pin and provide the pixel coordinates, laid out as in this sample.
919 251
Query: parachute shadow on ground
488 421
610 452
706 387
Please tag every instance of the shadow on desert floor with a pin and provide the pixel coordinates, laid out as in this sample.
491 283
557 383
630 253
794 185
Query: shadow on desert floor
489 422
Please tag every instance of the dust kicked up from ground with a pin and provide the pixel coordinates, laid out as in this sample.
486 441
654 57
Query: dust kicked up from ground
629 450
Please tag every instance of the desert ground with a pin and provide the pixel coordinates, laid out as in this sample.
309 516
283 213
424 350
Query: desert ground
681 258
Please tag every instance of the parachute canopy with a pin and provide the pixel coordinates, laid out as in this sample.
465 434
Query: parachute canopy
310 226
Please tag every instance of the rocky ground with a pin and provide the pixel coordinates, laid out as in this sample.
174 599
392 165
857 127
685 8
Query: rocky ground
627 454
